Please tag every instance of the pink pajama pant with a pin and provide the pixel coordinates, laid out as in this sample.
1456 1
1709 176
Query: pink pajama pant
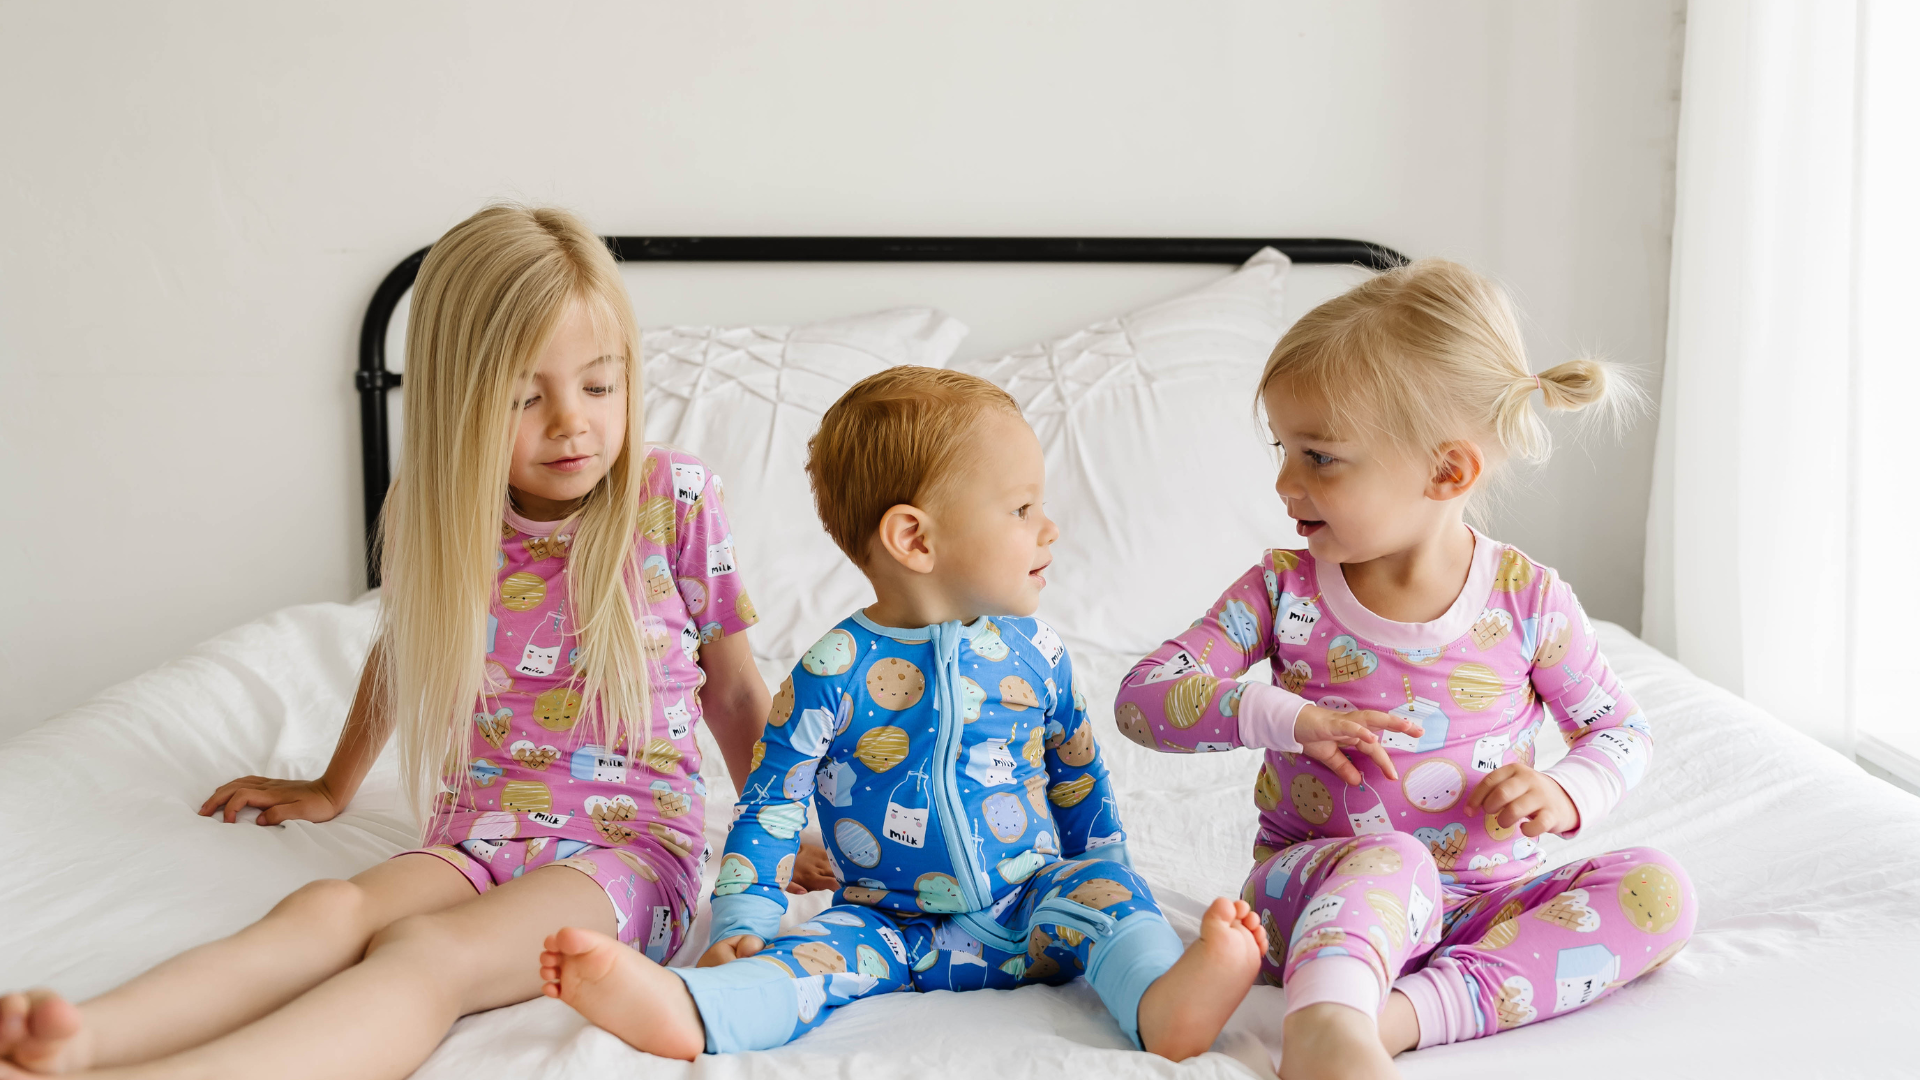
1365 915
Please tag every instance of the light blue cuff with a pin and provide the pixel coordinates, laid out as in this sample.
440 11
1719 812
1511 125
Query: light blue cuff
745 913
1143 947
1110 852
745 1005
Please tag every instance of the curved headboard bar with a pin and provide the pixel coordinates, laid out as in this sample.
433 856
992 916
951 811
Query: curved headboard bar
372 379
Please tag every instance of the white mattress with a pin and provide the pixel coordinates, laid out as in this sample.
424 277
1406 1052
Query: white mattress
1808 872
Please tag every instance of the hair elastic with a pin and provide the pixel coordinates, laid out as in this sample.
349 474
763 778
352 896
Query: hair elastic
1536 383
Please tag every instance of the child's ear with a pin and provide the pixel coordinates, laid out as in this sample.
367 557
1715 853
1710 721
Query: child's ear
1457 467
903 536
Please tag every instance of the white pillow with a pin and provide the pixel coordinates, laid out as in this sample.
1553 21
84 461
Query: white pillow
1159 470
746 400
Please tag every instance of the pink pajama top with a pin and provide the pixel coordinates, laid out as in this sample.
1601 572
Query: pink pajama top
1479 680
534 771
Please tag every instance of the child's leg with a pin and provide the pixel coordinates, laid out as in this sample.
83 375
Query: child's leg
1552 944
771 998
383 1016
1099 916
205 992
1343 917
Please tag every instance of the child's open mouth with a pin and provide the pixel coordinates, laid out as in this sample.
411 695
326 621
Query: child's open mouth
1308 528
1037 575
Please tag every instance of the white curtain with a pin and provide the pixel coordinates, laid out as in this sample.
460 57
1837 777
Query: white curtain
1782 559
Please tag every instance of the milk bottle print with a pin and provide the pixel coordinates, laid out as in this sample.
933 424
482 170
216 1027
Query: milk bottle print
539 661
1297 617
906 823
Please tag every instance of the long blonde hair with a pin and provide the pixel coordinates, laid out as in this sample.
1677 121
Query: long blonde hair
489 297
1431 352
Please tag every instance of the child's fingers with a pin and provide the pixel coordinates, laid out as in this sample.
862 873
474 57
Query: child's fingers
1333 759
1379 755
1381 721
1477 798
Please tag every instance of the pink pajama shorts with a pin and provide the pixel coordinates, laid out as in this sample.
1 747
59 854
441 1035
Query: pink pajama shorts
648 912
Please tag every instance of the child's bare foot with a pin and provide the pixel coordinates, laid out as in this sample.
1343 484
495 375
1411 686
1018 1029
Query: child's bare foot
621 990
1328 1040
41 1032
1184 1010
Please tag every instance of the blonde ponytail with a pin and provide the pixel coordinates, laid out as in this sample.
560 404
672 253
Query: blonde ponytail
1431 353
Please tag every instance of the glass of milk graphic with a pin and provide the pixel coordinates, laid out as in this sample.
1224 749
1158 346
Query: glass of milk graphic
1365 812
536 660
1427 714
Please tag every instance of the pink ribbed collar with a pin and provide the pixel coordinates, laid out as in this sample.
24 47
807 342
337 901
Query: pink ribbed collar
1442 631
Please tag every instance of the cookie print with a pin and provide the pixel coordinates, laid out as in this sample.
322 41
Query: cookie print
1016 693
1434 785
1473 686
1187 701
895 684
881 748
1650 898
1310 798
522 591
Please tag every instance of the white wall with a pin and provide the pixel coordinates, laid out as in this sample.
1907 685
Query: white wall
199 198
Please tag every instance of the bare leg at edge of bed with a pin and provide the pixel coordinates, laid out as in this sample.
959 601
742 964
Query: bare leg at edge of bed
317 931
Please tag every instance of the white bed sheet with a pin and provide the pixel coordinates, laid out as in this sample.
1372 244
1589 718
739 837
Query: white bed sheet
1808 872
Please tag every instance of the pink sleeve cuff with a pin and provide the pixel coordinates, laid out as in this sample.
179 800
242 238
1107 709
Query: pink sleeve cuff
1592 786
1267 713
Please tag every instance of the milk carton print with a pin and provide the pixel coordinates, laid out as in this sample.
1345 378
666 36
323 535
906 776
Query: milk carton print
687 481
1178 666
720 557
1595 705
1489 751
990 763
834 782
679 720
596 763
1296 617
1048 642
1582 974
1427 714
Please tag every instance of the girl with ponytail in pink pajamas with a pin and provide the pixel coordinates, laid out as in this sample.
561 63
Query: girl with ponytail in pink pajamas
1416 664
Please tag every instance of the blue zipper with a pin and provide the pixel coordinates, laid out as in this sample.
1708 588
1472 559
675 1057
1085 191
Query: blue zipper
955 824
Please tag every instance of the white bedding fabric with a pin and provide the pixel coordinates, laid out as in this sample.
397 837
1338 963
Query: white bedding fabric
1808 872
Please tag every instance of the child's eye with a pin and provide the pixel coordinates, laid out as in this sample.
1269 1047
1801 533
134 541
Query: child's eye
528 402
600 391
1317 457
1022 512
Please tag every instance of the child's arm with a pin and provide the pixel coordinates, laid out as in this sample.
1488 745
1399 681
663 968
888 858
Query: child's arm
1610 742
748 899
1078 784
734 701
361 740
1173 699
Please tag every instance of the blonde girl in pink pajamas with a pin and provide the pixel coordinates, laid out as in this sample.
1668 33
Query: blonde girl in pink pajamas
1416 664
561 607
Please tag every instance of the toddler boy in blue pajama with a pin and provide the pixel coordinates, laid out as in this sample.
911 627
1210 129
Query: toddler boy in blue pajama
970 819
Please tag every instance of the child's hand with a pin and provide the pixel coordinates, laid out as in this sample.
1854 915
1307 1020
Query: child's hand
737 947
279 800
1322 733
812 871
1516 792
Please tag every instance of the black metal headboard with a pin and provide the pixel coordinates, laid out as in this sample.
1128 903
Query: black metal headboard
373 380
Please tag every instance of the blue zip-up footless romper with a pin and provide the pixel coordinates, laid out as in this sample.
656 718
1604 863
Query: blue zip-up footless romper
970 820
